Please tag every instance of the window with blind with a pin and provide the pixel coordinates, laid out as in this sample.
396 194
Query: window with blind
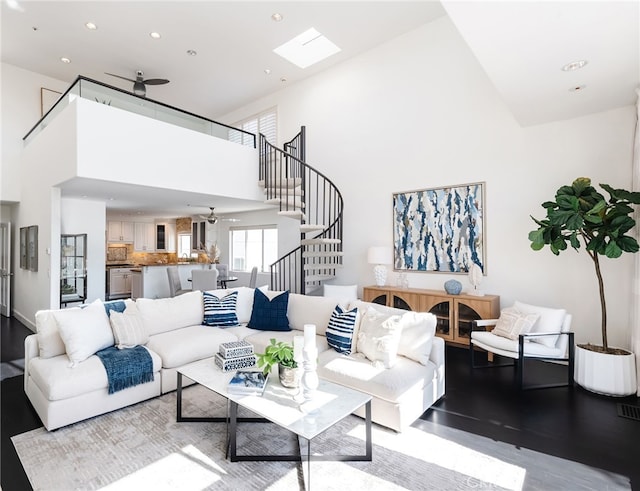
265 122
253 246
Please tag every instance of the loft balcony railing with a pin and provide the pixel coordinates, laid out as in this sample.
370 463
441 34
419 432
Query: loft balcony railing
93 90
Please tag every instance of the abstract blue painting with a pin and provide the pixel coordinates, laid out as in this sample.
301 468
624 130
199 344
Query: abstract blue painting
440 229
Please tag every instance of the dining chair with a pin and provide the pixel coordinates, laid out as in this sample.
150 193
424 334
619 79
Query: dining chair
175 285
253 279
223 270
204 279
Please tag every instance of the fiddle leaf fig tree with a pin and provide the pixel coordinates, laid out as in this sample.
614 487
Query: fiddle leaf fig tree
580 215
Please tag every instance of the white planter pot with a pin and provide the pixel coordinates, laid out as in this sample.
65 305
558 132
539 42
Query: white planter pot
611 375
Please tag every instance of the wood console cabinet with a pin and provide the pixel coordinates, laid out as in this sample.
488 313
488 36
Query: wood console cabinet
455 313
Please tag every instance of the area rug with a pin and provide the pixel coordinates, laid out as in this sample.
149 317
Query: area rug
142 447
11 368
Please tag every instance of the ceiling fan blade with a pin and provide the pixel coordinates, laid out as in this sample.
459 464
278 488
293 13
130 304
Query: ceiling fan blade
118 76
156 81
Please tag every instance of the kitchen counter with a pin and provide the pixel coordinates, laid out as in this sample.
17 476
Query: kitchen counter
151 280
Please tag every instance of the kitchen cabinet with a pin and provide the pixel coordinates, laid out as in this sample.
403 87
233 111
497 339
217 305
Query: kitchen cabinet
136 284
73 268
455 313
198 235
145 237
120 282
120 231
165 236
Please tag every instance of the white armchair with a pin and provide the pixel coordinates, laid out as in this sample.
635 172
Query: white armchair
526 332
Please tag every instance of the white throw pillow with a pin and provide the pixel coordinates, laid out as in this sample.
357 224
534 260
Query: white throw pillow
50 343
512 323
128 329
550 320
416 338
379 337
167 314
84 331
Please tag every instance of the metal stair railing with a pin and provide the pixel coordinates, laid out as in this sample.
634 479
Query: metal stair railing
304 192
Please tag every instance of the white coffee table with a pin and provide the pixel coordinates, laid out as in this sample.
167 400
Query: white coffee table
331 404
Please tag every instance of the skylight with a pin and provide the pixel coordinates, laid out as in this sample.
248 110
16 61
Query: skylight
308 48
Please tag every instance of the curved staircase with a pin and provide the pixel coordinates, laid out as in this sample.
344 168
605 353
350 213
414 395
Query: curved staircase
302 193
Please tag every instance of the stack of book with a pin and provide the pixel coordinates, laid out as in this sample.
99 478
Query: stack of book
248 382
235 355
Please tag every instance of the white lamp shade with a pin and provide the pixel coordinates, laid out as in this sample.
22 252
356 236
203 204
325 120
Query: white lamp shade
379 255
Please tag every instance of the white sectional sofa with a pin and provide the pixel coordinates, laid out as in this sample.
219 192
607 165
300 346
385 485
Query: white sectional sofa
63 394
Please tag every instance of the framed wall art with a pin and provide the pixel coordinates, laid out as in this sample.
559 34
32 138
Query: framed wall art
440 229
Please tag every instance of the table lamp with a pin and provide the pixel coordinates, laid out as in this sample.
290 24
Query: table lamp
380 256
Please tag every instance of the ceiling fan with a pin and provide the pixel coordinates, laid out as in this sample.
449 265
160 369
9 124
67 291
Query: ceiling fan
139 84
212 218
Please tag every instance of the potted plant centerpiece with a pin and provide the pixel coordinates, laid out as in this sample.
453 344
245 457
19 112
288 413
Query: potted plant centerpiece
580 215
280 353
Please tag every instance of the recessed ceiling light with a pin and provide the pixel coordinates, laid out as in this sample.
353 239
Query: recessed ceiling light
577 88
65 60
155 35
267 71
308 48
91 26
192 52
283 79
574 65
14 5
276 17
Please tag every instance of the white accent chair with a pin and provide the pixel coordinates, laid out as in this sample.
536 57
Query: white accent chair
204 279
548 340
175 285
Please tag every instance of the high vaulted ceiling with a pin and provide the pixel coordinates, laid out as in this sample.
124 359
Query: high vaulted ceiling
522 46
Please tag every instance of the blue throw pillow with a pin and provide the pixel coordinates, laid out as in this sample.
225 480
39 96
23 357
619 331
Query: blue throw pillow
220 312
269 315
114 306
340 329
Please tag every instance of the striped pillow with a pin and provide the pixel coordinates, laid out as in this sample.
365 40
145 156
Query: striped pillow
128 329
220 312
340 329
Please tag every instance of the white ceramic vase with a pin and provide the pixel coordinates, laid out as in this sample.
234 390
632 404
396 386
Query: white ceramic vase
611 375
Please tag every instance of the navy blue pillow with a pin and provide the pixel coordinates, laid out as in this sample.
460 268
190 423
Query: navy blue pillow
340 329
269 315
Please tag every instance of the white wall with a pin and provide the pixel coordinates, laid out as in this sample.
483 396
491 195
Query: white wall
419 112
20 110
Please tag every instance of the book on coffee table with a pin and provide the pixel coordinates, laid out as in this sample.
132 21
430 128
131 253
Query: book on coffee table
248 382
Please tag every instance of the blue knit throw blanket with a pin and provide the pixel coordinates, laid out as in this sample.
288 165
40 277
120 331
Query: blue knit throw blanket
126 367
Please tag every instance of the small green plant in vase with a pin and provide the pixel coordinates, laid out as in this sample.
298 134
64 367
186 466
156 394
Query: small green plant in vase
280 353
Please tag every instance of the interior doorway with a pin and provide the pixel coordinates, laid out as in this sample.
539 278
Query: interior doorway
5 269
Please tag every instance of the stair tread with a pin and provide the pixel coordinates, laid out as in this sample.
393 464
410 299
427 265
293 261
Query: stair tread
320 241
277 201
311 227
296 214
308 254
290 182
319 277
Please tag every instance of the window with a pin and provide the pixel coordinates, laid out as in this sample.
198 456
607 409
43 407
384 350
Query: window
253 246
265 123
184 246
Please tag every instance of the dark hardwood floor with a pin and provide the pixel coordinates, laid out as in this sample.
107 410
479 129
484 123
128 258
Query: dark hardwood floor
571 424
